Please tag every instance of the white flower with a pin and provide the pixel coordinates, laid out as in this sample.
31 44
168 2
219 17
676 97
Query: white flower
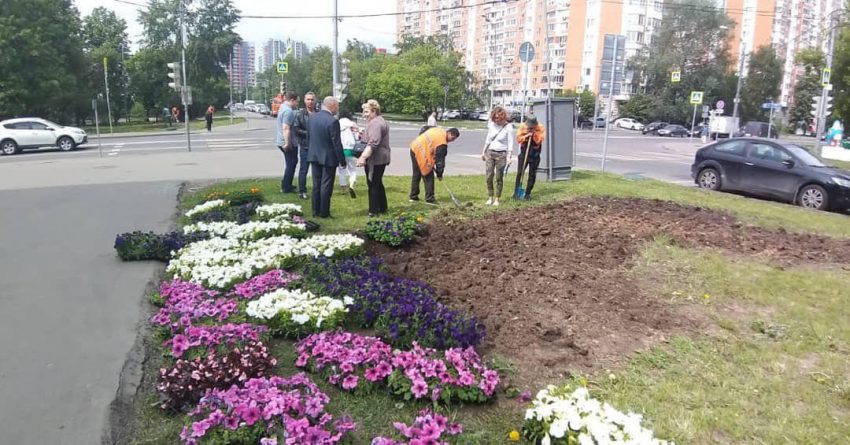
270 211
206 207
301 307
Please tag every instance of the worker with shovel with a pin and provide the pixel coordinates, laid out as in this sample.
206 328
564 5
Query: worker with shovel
428 159
530 138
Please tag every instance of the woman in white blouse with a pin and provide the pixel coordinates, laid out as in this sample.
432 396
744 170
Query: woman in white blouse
497 152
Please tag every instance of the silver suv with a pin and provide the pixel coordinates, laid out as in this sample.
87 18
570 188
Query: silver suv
18 134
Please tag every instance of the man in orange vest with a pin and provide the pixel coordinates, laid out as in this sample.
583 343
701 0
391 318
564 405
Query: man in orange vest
530 139
428 158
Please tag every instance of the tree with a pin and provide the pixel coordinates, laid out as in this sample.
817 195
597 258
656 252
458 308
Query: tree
42 66
639 106
105 37
763 83
692 38
586 101
840 76
321 72
808 84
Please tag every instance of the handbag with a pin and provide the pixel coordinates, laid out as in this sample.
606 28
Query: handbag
358 149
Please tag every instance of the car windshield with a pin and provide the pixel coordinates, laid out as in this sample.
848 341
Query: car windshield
805 156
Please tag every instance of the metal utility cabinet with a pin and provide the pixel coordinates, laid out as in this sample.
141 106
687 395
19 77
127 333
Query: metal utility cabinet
558 115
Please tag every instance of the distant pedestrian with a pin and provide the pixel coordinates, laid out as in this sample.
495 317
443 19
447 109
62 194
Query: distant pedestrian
175 113
166 116
497 152
302 138
432 119
325 155
376 156
428 159
530 139
209 117
286 140
349 133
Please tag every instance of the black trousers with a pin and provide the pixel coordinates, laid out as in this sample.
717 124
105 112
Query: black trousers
323 188
290 162
415 179
377 192
533 163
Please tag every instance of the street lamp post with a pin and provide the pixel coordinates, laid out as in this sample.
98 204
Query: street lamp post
740 77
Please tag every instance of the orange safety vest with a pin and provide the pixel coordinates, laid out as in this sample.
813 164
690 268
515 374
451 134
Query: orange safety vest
424 147
537 135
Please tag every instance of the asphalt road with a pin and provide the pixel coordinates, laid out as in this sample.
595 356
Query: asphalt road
69 309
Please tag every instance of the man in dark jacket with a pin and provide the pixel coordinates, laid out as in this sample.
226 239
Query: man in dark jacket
325 154
302 137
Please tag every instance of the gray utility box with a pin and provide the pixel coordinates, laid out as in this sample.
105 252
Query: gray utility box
558 115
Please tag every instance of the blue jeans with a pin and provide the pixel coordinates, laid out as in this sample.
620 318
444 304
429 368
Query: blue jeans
291 159
302 171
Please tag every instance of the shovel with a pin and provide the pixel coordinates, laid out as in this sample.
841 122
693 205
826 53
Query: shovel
451 195
519 193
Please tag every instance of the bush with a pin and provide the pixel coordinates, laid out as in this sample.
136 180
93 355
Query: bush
395 232
142 246
183 384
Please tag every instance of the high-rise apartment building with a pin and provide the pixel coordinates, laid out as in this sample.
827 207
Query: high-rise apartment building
275 50
241 70
489 36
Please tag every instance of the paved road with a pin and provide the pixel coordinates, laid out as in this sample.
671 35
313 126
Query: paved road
69 310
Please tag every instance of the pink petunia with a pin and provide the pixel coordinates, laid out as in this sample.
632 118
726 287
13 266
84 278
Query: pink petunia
350 382
419 388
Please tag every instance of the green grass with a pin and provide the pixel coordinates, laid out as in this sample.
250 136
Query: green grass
221 119
840 164
351 214
775 372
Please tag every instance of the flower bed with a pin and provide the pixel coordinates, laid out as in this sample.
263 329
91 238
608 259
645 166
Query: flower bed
395 232
402 311
220 263
352 361
199 340
268 212
184 383
262 284
249 231
186 303
294 313
566 416
428 428
265 408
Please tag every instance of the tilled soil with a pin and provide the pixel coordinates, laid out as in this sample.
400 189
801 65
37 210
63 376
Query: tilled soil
551 284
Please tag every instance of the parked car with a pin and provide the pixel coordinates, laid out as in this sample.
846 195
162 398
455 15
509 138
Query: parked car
653 127
484 115
600 122
452 114
18 134
263 109
673 130
772 169
628 123
758 130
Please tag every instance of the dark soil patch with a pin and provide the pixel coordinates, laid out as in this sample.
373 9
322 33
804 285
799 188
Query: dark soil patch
551 284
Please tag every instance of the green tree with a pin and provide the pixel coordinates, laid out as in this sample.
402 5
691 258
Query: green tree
762 84
42 65
321 71
692 38
840 76
105 37
639 106
586 101
808 85
148 83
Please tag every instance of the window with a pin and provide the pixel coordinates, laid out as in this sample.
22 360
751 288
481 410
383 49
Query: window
641 19
732 147
37 126
768 153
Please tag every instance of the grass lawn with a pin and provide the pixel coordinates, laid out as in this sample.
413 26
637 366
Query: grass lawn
221 119
771 368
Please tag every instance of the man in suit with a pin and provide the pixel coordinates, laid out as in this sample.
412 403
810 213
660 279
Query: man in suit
325 155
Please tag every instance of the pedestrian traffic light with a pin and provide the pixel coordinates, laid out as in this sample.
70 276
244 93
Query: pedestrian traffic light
816 108
174 74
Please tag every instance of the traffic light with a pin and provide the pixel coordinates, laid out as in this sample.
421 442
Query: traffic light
816 106
174 75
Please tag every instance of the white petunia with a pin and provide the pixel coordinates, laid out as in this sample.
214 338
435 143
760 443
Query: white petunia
206 207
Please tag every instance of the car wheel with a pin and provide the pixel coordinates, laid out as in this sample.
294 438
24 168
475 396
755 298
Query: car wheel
813 197
9 147
65 143
709 179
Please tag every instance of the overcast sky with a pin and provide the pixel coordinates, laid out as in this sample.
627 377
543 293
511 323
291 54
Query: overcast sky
380 31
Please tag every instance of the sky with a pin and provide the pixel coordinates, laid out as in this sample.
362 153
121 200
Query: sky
380 31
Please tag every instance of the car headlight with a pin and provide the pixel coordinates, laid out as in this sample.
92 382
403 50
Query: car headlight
841 181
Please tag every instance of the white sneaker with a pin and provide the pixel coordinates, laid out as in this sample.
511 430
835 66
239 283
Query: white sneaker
489 201
496 202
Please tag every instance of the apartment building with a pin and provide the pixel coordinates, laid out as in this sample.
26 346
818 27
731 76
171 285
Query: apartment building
275 50
241 70
489 36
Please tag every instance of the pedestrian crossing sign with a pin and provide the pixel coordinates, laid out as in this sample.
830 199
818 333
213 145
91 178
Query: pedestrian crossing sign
282 67
696 97
676 76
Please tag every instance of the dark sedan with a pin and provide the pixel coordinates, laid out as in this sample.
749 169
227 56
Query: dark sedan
673 131
772 169
653 127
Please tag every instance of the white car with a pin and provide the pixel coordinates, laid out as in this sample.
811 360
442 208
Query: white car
32 132
628 123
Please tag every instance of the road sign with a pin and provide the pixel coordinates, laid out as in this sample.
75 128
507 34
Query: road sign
824 78
526 52
696 97
676 76
771 106
282 67
445 88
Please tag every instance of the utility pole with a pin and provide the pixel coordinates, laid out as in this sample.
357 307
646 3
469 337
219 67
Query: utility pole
610 104
230 81
108 105
740 77
185 91
821 128
335 56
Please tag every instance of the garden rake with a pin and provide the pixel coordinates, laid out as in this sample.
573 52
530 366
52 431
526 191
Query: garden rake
451 195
